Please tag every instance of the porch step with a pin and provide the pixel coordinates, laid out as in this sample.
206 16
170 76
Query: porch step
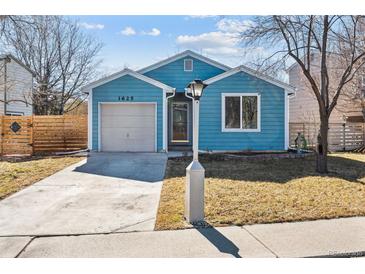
180 148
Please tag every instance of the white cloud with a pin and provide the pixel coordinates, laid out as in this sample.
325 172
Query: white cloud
224 42
208 40
128 31
153 32
233 25
86 25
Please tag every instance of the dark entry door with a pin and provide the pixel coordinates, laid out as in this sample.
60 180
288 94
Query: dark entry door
180 122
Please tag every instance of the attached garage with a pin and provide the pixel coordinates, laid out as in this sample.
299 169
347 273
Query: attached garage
127 113
128 127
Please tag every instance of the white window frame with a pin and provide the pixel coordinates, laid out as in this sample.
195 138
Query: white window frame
224 129
192 65
172 123
14 113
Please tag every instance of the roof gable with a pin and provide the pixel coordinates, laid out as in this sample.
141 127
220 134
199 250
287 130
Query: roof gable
123 73
187 53
174 74
10 56
252 72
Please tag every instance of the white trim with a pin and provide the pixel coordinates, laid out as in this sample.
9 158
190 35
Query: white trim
127 72
172 122
164 137
223 112
286 121
125 103
14 113
182 55
251 72
164 121
99 128
164 126
4 56
192 64
90 120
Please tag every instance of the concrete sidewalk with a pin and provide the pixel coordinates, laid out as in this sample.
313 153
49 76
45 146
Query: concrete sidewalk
338 237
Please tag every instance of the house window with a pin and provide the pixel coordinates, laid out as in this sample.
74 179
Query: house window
14 113
241 112
188 65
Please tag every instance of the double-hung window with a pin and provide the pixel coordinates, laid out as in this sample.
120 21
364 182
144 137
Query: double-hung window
241 112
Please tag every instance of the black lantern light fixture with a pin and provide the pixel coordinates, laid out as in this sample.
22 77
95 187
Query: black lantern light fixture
196 87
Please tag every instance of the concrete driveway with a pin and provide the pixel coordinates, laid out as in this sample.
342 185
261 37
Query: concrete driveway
108 192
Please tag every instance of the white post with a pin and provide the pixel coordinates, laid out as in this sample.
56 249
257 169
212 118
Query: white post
194 193
195 130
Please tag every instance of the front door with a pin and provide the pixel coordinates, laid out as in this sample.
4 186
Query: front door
180 122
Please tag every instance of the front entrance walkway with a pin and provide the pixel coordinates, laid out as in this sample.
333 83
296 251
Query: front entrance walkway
108 192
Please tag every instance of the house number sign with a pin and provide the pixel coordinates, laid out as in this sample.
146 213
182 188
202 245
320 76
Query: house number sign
125 98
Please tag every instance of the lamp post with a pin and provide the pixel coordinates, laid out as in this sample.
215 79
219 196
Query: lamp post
194 191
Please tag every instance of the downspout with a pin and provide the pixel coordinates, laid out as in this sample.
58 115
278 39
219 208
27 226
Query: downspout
6 60
166 113
288 96
188 96
172 95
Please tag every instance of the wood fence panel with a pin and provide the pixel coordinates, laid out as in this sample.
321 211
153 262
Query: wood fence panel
44 134
16 135
340 136
60 133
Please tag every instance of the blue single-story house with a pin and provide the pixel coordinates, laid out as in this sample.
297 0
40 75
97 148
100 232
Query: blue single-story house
149 110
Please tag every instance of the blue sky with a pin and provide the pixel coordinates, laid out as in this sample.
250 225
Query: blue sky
138 41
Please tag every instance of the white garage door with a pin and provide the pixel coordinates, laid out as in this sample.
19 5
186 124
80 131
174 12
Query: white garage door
128 127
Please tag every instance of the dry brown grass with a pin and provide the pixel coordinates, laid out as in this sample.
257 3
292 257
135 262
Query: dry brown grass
15 175
240 191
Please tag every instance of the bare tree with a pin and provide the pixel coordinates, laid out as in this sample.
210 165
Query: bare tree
61 55
353 97
9 83
297 38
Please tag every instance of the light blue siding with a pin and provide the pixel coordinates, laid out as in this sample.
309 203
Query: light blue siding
126 86
272 132
173 74
211 137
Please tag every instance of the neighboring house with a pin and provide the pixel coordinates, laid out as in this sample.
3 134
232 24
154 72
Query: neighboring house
16 85
147 110
304 106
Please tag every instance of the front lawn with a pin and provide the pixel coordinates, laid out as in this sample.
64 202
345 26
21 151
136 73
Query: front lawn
244 191
17 174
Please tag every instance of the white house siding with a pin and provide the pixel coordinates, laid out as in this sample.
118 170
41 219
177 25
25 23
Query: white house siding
19 87
2 63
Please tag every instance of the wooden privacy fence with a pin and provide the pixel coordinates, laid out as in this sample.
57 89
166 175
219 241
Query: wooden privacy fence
341 136
42 134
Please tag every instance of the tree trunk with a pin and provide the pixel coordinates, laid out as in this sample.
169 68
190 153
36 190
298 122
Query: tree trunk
322 145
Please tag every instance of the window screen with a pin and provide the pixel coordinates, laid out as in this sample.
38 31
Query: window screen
188 65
